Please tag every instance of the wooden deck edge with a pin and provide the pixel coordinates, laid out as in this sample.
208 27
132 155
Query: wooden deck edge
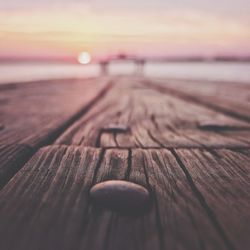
17 159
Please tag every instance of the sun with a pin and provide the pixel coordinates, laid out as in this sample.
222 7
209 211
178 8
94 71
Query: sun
84 58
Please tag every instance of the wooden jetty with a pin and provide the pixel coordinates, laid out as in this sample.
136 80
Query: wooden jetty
186 142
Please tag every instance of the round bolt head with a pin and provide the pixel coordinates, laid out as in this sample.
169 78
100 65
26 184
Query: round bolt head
121 196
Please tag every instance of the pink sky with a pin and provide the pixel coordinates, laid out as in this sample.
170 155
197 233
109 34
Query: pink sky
67 29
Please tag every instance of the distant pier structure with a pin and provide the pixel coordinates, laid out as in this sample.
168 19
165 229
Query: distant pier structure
139 63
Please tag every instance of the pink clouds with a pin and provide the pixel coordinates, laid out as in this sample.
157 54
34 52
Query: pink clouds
68 31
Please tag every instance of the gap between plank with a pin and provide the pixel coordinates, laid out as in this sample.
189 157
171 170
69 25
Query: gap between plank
157 215
129 167
52 136
193 99
86 211
202 201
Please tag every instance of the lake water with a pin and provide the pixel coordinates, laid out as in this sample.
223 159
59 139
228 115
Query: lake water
232 72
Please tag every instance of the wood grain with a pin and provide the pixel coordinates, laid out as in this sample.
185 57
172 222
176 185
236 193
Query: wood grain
49 200
12 158
46 204
31 113
188 148
229 98
154 120
223 179
35 114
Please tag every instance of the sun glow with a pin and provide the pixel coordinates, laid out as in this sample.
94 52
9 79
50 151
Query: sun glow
84 58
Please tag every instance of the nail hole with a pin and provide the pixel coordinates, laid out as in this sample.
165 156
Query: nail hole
114 128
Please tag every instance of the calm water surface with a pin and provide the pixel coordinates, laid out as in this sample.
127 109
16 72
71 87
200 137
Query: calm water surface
238 72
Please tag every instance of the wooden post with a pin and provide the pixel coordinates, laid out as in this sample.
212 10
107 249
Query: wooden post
104 67
140 66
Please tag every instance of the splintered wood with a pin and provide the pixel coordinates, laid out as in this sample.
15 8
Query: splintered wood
185 144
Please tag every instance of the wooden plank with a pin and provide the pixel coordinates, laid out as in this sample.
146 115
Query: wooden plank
121 231
181 221
49 200
12 158
33 112
46 204
154 120
87 131
229 98
223 180
60 217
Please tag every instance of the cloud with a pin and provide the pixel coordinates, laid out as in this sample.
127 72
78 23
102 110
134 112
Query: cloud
84 25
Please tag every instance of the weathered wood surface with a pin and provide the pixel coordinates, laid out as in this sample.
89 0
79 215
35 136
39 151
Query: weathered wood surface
230 98
199 200
34 114
154 119
12 157
46 204
223 179
180 141
30 113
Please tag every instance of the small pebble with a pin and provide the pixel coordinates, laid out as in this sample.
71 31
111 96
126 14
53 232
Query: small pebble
121 196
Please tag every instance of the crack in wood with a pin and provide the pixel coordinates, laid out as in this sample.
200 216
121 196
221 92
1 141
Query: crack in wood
115 140
98 165
153 119
157 215
201 199
108 233
219 127
127 174
53 135
193 99
154 139
98 139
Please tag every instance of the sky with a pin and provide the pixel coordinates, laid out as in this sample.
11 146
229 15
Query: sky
48 28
